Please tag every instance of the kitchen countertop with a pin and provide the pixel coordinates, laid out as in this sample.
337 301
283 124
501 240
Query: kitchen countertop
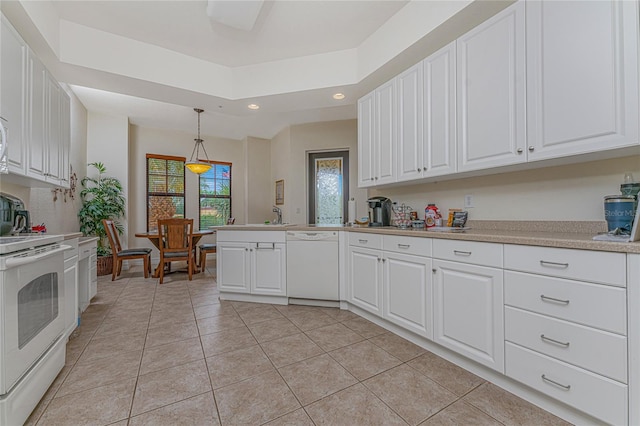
574 235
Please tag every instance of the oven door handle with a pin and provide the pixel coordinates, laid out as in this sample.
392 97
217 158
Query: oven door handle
19 261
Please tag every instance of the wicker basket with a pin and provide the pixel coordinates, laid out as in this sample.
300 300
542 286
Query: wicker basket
105 265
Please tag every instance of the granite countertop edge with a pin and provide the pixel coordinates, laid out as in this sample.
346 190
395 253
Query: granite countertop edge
534 237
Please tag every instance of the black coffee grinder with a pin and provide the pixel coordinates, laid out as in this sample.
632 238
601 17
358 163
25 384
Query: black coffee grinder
379 211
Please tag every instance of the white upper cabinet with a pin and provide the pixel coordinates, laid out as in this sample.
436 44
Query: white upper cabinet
491 92
36 118
366 164
439 112
385 133
410 107
582 76
13 57
37 111
377 136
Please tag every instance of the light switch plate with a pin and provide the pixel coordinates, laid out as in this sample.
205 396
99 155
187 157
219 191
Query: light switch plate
468 201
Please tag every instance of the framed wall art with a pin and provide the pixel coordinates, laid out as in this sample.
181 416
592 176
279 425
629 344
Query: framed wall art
280 192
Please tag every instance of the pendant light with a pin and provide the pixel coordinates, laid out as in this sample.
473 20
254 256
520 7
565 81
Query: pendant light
194 164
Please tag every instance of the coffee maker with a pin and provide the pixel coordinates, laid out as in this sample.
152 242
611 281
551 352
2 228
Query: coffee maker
379 211
14 218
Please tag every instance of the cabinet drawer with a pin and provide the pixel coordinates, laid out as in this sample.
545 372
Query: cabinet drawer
477 253
602 398
409 245
593 266
598 351
360 239
594 305
73 251
241 236
84 251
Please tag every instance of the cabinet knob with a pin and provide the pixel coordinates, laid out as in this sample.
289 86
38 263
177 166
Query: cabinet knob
376 177
434 270
384 260
419 169
371 178
519 151
531 149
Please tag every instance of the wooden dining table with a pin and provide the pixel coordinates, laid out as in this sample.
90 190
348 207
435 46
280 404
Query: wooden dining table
154 237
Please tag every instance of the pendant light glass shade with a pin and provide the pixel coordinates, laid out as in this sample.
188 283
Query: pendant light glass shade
194 164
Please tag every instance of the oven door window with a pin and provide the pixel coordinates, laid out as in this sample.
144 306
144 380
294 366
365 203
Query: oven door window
37 307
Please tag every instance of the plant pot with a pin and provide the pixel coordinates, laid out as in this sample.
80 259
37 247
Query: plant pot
105 265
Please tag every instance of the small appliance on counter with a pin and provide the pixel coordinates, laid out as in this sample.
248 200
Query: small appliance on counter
14 218
379 211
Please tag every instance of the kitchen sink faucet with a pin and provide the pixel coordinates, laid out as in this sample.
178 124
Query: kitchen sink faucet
278 211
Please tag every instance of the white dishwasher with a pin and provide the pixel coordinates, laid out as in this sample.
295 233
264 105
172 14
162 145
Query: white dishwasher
312 265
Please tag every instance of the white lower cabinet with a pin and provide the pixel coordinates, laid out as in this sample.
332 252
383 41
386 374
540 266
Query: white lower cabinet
566 327
598 396
407 292
268 269
365 279
391 277
468 312
233 264
71 287
252 267
87 273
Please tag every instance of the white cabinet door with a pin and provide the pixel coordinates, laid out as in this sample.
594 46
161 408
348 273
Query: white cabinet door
468 311
366 142
233 267
70 295
365 279
408 292
36 118
385 133
13 101
439 113
409 101
52 137
491 92
582 76
268 269
65 139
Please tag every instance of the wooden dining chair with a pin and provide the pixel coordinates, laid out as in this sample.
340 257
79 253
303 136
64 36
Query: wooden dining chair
120 255
176 244
204 250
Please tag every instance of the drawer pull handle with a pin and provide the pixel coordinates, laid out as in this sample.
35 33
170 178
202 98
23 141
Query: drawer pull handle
462 253
404 246
548 380
557 264
553 299
557 342
363 241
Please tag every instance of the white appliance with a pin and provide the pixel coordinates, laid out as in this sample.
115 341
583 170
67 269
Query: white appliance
318 279
32 347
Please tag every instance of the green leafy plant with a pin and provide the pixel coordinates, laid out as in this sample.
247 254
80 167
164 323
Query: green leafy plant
102 198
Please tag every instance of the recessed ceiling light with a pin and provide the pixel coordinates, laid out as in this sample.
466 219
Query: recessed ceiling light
253 106
338 96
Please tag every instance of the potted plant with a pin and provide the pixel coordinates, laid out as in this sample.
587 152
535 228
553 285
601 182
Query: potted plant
102 198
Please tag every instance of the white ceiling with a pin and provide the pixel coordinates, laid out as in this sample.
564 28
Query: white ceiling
296 56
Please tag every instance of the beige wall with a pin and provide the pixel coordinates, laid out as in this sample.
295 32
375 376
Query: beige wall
59 216
257 181
571 192
280 169
168 142
317 137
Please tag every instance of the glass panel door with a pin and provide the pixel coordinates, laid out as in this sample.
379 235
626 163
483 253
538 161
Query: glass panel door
328 187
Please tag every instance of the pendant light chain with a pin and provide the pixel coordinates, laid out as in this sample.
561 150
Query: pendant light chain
195 165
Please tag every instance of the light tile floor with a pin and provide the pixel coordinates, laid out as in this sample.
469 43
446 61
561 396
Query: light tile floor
173 354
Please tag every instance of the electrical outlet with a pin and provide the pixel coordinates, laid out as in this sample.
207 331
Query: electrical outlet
468 201
298 210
